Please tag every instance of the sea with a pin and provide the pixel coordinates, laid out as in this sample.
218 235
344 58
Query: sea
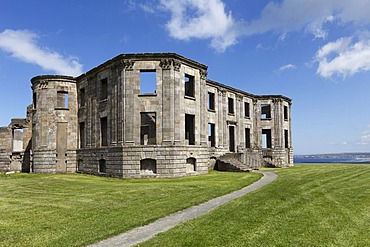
332 160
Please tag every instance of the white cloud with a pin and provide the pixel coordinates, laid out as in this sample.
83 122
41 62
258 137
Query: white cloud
22 45
343 57
208 19
286 67
295 15
201 19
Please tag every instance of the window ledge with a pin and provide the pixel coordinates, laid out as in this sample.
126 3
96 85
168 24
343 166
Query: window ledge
211 110
103 100
147 95
189 97
266 119
62 109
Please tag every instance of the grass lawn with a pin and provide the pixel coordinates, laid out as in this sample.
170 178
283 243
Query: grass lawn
308 205
75 209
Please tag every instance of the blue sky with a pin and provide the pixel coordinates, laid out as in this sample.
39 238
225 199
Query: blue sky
315 52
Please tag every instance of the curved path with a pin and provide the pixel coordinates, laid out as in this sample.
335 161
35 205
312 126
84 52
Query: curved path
143 233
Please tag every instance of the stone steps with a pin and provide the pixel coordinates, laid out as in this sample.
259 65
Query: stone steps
229 162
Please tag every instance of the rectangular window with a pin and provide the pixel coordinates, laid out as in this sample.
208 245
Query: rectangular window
189 86
211 101
104 131
104 89
82 135
82 97
246 110
265 111
266 138
285 112
247 138
190 128
34 97
211 134
231 105
148 134
286 138
232 138
62 99
148 82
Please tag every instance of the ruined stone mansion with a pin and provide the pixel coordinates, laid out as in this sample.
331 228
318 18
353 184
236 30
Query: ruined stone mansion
145 115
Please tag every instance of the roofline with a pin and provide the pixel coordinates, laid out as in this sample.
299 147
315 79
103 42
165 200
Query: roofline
218 84
146 56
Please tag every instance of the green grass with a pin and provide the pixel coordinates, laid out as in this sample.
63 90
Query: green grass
75 210
308 205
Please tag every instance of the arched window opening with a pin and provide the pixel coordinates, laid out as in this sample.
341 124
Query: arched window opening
102 166
80 165
148 166
191 164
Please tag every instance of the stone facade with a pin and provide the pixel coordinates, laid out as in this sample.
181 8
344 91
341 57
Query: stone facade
151 115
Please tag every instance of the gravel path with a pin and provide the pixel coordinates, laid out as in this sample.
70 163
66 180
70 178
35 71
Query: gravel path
141 234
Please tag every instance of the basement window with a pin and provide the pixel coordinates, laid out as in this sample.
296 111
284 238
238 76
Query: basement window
148 166
189 86
191 164
102 166
148 82
265 111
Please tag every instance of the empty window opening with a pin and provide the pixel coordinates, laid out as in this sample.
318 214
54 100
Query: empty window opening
148 82
82 135
34 100
148 128
62 99
104 131
266 138
285 113
247 138
231 138
102 166
231 105
82 97
80 165
211 134
104 89
148 166
18 140
265 111
191 164
189 85
190 128
286 138
246 110
211 101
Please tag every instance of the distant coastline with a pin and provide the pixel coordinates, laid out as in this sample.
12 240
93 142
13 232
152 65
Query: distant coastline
352 158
